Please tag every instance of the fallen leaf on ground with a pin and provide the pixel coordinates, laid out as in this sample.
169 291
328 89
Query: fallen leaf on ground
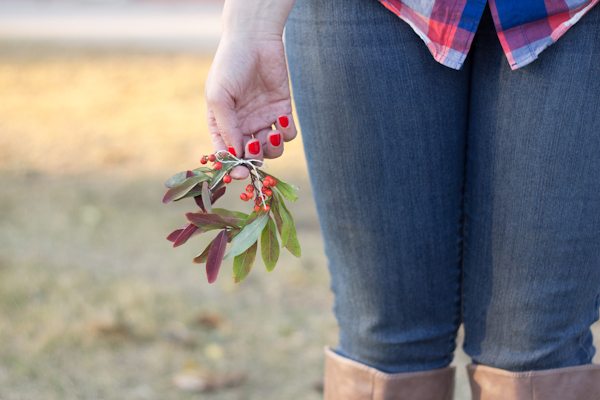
210 320
192 380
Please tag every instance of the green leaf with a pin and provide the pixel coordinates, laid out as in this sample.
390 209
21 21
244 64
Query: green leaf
286 226
206 197
242 264
201 258
288 191
218 176
293 245
252 216
176 179
179 191
247 236
277 214
269 245
192 193
282 218
230 213
201 169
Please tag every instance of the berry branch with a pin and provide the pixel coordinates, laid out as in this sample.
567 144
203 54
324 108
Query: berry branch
239 231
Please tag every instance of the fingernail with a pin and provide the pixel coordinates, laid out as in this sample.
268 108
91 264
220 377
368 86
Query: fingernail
254 147
275 139
231 149
284 121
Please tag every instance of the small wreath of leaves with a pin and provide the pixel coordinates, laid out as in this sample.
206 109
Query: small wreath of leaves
239 233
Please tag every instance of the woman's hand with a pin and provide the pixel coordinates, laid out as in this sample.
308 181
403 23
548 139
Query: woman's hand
247 91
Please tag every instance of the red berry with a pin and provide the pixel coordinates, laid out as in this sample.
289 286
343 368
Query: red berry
266 191
266 207
227 179
203 160
269 181
250 188
212 158
266 183
244 196
257 208
218 165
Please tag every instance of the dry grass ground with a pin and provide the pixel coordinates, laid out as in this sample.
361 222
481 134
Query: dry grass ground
94 303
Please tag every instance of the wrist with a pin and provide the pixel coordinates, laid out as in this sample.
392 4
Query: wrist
263 19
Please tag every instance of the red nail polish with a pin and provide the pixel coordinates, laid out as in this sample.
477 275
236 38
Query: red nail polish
284 121
231 149
254 147
275 139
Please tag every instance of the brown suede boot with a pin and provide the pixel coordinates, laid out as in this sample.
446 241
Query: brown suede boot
580 382
347 379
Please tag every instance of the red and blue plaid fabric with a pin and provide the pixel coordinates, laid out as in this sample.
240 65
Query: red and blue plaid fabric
525 27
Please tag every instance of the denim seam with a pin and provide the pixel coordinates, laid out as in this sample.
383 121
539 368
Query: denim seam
464 202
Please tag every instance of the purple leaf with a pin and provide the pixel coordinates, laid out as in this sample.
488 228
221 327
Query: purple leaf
185 234
200 219
189 174
199 203
215 256
179 191
217 194
173 235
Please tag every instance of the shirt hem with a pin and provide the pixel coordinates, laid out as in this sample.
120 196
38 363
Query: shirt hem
554 36
441 56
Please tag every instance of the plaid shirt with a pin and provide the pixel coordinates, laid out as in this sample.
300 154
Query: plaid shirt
525 27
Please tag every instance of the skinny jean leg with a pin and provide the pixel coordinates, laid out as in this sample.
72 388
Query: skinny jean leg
383 127
532 203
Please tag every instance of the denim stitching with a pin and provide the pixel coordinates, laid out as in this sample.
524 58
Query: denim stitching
464 219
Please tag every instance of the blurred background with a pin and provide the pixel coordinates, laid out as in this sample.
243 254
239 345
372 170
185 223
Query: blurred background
100 102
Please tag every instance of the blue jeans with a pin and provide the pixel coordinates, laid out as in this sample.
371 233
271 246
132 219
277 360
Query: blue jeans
449 197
